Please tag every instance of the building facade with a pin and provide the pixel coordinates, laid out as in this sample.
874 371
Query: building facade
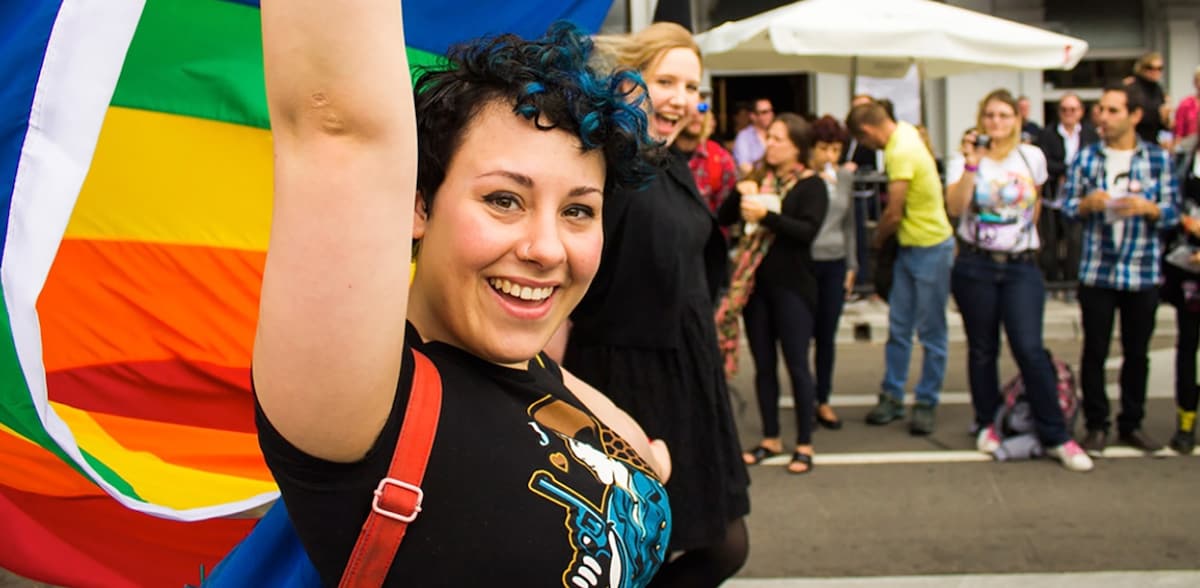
1117 32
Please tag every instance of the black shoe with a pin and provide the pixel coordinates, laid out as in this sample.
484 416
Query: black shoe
1140 440
832 424
1183 442
1094 442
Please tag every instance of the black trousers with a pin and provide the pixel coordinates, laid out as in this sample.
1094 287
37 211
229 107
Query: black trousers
1061 242
781 315
1186 343
831 297
1138 310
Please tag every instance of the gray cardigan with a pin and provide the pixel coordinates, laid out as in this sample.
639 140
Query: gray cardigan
836 239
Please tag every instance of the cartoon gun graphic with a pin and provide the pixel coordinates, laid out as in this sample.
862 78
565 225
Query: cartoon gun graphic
594 551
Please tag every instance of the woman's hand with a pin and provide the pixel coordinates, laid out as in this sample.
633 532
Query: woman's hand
849 283
1191 224
747 187
752 211
971 153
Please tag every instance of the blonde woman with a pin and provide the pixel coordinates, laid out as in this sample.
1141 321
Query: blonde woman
993 189
645 335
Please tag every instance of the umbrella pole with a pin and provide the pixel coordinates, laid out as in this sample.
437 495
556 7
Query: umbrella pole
921 94
853 76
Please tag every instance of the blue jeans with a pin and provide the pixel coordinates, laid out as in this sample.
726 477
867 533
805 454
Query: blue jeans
920 289
989 294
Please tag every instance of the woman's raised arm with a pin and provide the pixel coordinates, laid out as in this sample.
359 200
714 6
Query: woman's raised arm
335 289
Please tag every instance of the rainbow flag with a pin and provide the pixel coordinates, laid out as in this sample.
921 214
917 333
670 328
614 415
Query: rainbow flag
135 195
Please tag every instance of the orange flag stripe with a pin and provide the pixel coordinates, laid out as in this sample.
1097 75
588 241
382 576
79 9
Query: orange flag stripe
113 301
28 467
210 450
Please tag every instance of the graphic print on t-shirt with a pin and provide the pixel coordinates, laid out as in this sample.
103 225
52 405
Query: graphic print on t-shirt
1003 209
621 541
1117 166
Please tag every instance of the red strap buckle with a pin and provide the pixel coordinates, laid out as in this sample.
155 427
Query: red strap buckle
406 518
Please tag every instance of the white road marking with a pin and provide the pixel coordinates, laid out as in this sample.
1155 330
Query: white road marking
936 456
1164 579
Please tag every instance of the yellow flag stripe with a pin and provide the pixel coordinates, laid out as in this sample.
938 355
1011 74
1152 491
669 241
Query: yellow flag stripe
175 179
155 480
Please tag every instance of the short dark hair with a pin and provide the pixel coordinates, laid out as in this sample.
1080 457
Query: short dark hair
548 81
1133 97
828 130
871 113
888 106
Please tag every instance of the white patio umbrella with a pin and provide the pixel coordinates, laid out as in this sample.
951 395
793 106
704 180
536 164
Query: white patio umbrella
882 38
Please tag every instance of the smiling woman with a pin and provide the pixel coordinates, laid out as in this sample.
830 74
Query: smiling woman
519 142
645 335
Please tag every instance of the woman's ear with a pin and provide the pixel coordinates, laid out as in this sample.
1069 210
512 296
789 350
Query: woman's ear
420 216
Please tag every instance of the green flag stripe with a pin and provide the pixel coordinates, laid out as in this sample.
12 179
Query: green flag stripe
16 405
113 478
18 413
203 58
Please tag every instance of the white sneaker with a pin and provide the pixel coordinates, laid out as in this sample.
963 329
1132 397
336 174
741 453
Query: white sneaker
1072 456
987 441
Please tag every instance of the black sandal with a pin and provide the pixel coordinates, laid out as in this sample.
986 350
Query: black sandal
802 458
758 454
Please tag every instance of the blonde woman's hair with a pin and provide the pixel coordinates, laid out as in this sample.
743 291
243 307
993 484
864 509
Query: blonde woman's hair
643 50
1144 61
1005 97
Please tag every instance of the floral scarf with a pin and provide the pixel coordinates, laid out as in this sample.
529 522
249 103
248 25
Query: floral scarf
749 252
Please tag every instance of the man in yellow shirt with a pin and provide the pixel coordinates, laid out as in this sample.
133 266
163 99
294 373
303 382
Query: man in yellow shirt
916 213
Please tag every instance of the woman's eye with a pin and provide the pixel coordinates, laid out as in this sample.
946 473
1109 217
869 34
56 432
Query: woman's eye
502 201
580 212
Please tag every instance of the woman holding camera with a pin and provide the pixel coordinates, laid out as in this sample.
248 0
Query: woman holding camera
992 189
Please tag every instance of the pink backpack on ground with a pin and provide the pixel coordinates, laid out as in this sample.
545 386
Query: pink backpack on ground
1014 419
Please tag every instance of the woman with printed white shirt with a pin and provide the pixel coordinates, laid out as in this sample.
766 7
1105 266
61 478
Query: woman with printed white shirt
992 189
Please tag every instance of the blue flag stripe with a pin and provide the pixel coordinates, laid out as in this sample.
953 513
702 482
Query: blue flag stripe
426 22
24 34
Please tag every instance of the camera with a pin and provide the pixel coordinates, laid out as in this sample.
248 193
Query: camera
982 141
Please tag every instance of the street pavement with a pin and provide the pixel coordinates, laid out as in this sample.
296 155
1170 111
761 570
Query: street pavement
883 508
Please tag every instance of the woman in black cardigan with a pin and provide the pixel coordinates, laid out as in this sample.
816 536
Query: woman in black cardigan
773 281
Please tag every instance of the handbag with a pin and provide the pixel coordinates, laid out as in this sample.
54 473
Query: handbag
272 555
885 260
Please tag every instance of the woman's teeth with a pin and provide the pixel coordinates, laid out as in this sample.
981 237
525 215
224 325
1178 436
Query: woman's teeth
522 292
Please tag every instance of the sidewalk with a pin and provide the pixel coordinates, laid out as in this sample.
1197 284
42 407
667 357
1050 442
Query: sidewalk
866 321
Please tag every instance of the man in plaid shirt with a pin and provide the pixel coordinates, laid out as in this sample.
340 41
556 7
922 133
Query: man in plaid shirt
1124 192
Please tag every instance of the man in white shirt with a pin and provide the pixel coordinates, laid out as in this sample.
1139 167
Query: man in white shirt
1059 256
751 141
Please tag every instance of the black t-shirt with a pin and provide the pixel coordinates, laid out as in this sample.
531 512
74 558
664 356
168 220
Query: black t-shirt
524 487
788 263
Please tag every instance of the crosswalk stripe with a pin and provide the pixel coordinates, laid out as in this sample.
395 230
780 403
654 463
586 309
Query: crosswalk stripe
1117 579
945 456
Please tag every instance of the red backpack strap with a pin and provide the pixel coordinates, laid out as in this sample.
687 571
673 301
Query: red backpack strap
398 497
